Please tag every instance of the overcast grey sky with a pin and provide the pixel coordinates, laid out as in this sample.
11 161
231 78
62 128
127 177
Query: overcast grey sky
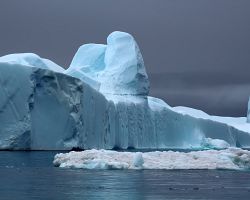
197 52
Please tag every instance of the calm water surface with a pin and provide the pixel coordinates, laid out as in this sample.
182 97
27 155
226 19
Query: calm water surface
31 175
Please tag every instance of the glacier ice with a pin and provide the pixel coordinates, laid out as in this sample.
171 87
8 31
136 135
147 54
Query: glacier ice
37 107
88 63
100 101
231 158
115 68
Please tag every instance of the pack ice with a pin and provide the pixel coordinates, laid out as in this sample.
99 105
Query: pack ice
100 101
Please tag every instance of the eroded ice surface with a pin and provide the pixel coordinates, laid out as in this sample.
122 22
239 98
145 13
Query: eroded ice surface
232 158
100 102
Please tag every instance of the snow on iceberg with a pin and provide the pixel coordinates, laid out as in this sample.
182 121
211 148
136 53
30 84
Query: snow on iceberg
231 158
32 60
43 109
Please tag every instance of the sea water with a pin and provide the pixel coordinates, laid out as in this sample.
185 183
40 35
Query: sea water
28 175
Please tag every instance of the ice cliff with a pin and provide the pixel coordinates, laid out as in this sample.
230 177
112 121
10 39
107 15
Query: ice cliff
100 101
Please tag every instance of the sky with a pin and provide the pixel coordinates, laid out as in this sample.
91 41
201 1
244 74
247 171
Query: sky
196 52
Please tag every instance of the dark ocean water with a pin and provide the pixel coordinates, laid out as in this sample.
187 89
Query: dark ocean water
31 175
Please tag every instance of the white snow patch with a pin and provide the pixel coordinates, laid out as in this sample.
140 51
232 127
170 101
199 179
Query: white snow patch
31 60
231 158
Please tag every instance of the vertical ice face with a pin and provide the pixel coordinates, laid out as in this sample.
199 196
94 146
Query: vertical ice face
15 120
38 108
115 68
248 111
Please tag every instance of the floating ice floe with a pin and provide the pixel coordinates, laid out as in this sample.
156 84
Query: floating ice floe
231 158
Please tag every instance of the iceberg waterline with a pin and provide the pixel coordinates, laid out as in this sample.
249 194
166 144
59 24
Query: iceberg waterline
100 102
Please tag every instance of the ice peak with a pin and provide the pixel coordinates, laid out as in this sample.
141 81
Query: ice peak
117 67
125 66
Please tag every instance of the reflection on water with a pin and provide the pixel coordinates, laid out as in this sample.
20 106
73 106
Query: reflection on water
31 175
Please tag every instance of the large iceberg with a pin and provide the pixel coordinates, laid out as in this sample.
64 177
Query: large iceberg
100 101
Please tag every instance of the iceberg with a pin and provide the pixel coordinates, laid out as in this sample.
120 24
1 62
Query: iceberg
101 101
231 158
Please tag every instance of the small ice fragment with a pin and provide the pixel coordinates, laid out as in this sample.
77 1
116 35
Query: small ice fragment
138 160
